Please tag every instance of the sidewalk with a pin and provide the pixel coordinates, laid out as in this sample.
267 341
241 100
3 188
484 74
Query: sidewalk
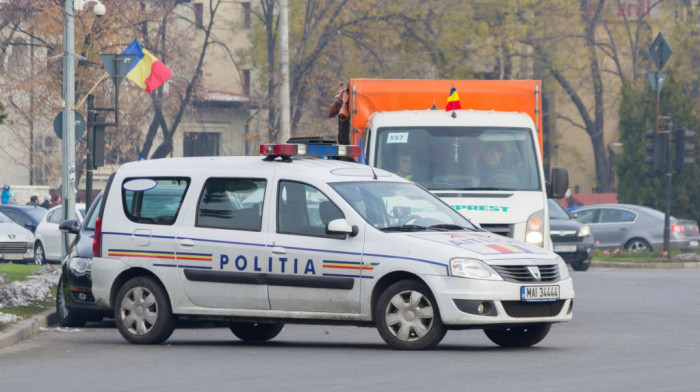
27 328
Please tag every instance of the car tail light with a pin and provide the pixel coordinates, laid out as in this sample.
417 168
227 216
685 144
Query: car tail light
97 238
677 229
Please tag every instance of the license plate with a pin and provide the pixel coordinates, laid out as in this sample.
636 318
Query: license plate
694 244
13 256
539 293
565 248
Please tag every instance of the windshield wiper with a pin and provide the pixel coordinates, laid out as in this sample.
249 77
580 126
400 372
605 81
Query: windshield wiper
404 228
446 227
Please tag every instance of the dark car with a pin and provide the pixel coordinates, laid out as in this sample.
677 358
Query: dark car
25 216
75 304
632 227
572 240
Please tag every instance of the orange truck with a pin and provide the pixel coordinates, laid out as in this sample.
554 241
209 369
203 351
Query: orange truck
483 158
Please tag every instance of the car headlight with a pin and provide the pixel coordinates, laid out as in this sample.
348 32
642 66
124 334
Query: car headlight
80 265
534 231
563 269
585 230
472 269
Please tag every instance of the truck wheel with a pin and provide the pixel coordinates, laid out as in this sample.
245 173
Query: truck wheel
581 265
66 318
255 332
142 312
518 336
407 316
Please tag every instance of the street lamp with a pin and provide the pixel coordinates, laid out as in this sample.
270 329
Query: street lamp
68 190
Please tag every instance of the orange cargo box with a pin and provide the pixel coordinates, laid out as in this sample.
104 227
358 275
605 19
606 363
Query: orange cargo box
379 95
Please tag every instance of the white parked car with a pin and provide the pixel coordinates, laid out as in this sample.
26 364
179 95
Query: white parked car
15 241
47 238
327 241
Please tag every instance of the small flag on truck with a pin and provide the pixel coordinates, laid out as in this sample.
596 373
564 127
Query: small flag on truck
453 101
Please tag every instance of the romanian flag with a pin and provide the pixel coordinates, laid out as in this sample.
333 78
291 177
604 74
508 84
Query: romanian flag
146 70
453 101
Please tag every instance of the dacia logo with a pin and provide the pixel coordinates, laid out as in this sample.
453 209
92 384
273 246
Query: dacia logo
11 236
535 272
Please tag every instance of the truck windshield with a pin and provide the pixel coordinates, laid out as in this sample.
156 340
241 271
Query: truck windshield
393 206
460 158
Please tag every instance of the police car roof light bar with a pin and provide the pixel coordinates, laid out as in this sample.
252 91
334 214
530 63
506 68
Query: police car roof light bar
286 150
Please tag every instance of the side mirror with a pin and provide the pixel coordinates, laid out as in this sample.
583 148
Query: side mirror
341 226
559 183
69 226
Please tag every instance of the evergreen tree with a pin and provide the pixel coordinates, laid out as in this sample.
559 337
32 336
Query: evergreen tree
638 183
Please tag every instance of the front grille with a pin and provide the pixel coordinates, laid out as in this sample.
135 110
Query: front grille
13 247
566 238
521 309
504 230
520 273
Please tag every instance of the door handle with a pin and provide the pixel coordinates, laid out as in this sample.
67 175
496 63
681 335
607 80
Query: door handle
187 243
278 250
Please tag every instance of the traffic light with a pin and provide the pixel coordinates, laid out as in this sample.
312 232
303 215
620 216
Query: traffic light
684 151
98 142
656 148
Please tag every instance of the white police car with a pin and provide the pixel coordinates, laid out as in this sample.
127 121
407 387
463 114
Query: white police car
261 242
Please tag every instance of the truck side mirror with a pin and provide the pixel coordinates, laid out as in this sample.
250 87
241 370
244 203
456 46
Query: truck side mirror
559 183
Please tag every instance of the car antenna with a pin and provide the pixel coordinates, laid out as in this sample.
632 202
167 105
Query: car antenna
373 173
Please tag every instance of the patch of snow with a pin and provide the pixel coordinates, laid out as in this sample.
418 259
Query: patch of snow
36 287
8 318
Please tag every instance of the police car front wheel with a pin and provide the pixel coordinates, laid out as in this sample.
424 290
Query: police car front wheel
255 332
142 312
407 316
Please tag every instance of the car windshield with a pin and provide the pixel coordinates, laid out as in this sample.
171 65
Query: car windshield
4 218
400 206
460 158
556 211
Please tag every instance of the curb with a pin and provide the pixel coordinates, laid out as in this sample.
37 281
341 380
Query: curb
27 328
650 265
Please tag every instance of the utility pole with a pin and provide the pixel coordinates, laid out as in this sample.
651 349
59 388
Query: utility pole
285 127
68 162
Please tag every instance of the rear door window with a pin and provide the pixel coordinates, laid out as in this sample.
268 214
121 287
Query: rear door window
231 203
152 200
613 215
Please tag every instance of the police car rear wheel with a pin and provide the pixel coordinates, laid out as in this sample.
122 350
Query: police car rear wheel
142 312
255 332
518 337
407 316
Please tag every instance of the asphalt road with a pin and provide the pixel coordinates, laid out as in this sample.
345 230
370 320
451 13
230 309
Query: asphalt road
633 330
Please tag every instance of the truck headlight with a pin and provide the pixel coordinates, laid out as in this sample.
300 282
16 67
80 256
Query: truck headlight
563 269
585 230
80 265
534 231
472 269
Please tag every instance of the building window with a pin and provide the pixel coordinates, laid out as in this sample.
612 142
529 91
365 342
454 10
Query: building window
245 81
201 144
198 11
246 14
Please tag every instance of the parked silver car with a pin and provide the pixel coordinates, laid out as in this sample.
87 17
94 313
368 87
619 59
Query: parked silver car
633 227
16 242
